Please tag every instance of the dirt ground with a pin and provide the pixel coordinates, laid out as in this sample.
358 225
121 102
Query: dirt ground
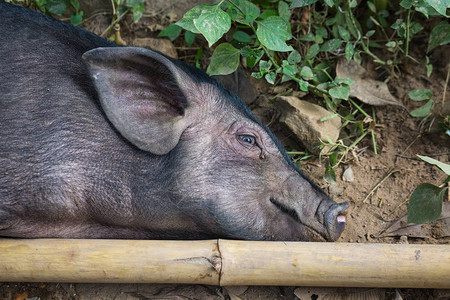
399 138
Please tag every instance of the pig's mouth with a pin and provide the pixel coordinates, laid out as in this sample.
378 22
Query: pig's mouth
293 214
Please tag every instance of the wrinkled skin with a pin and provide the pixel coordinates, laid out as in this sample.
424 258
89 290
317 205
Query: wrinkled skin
121 142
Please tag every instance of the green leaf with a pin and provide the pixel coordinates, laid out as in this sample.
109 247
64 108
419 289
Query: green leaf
290 70
406 4
56 7
347 81
353 26
198 57
330 3
284 11
428 66
333 157
267 13
370 33
247 12
189 37
330 175
132 3
306 72
303 85
349 50
391 44
187 22
345 35
309 37
138 12
326 118
213 23
225 60
425 9
312 51
340 92
172 32
246 51
252 55
443 166
257 75
270 77
439 5
415 27
76 5
420 94
76 19
41 5
372 7
440 35
273 33
264 65
294 57
322 31
331 45
425 204
302 3
242 37
424 110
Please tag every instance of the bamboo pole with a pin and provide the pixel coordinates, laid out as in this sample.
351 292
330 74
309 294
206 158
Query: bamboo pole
225 262
109 261
335 264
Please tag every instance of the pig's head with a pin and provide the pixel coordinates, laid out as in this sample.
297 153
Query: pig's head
233 179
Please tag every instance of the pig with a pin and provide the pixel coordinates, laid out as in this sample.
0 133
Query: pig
102 141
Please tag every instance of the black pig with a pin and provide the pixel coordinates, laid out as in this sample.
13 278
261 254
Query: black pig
100 141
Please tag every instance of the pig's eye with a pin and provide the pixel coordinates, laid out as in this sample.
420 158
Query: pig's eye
247 139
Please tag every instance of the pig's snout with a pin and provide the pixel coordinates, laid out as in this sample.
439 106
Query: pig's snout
335 220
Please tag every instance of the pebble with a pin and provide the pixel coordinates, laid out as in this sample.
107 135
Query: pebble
348 175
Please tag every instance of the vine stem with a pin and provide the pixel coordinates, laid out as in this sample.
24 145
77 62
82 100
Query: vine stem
408 21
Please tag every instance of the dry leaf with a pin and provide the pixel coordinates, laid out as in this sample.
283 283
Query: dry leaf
438 229
20 296
306 293
367 90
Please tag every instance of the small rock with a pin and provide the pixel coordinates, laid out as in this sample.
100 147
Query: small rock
335 189
302 118
279 89
348 175
162 45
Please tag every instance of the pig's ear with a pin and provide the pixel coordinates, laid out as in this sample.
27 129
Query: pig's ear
143 94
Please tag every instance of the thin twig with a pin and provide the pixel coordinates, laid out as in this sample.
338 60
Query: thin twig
119 18
445 85
398 206
380 183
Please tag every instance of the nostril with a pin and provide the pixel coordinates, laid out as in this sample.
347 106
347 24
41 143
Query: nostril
340 219
335 213
335 220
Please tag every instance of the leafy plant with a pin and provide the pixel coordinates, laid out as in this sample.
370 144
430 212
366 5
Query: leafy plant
425 204
422 95
267 34
55 7
135 6
280 48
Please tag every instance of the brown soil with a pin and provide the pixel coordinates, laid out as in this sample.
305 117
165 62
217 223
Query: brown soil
399 138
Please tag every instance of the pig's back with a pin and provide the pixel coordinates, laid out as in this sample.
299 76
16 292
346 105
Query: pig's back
54 135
